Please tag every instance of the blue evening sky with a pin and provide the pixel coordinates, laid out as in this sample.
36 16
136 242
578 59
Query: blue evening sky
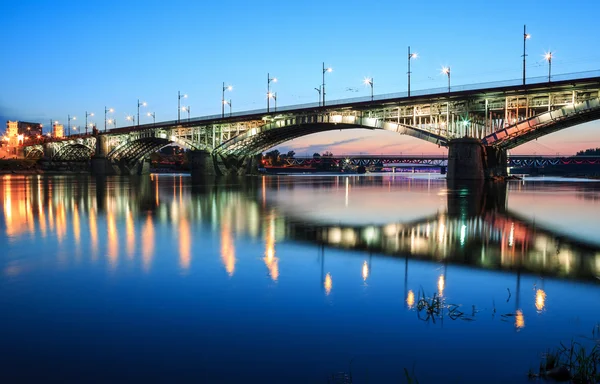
69 57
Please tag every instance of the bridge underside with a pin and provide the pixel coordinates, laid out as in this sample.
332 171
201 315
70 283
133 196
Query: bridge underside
258 140
73 152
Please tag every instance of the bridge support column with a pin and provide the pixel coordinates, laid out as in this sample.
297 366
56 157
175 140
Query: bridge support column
100 164
468 159
202 164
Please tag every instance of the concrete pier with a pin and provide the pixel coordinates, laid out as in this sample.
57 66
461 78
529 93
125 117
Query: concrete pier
469 159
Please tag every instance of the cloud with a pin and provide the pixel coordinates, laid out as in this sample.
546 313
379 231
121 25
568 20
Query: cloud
320 147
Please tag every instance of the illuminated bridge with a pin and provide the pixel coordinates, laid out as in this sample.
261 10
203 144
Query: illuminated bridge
478 123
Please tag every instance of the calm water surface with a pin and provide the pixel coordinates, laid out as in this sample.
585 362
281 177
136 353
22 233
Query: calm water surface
291 279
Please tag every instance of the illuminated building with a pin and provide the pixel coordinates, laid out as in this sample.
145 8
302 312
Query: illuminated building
57 130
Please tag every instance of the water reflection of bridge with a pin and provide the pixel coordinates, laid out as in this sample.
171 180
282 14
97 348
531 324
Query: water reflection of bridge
475 230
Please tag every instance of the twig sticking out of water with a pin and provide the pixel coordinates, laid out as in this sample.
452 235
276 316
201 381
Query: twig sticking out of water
509 295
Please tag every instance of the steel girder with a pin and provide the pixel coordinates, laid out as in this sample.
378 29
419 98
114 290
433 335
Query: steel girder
73 152
34 151
545 123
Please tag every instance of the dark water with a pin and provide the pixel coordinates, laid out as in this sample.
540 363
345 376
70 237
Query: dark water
291 279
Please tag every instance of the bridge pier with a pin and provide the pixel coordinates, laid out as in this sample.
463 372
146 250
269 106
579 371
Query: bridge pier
202 164
469 159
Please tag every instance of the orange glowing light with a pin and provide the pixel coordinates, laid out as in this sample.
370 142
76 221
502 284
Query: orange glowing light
328 284
410 299
540 300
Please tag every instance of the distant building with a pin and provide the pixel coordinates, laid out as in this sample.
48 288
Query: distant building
58 130
29 129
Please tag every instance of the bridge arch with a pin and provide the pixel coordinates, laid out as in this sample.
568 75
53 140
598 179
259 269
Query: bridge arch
139 148
34 152
77 151
543 124
256 140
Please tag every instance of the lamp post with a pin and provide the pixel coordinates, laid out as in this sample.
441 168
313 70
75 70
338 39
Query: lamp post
132 119
525 37
274 97
69 118
329 69
142 104
223 101
179 97
319 90
230 107
548 56
410 56
269 80
86 116
113 122
153 115
187 109
369 81
105 111
446 70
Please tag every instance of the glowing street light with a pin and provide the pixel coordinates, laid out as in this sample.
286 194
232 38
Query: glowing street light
269 80
179 97
228 103
153 115
223 101
410 56
86 123
525 37
274 97
187 109
105 111
548 56
131 118
69 118
112 121
329 69
369 81
446 70
142 104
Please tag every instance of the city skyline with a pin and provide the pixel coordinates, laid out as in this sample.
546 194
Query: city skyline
105 58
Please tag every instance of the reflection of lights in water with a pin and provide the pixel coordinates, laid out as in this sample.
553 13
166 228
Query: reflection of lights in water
270 260
147 243
519 319
328 284
540 299
441 231
511 236
410 299
441 285
113 238
156 191
93 233
185 244
597 262
463 234
227 249
347 191
335 235
130 232
76 225
61 222
365 271
370 234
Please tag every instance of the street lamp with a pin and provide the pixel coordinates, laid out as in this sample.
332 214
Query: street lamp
446 70
274 96
142 104
269 79
329 69
548 56
410 56
113 122
223 101
153 115
132 119
228 103
319 90
369 81
179 97
525 37
105 111
187 109
86 116
69 118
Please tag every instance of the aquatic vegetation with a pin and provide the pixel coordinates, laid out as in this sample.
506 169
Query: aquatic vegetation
410 376
575 362
432 308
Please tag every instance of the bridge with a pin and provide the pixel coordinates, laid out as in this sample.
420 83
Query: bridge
478 123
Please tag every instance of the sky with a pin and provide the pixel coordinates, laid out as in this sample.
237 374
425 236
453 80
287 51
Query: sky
66 58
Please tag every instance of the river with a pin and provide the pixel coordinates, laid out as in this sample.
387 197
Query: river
291 279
